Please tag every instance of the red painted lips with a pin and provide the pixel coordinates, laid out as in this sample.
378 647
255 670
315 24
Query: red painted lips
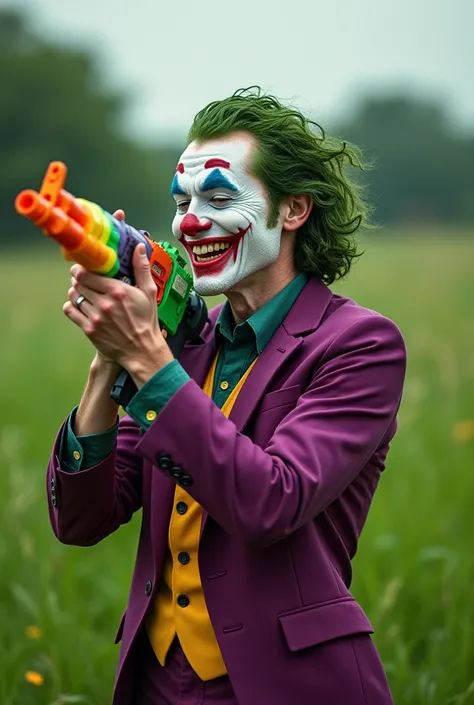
215 266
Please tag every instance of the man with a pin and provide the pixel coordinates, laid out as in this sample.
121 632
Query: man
256 456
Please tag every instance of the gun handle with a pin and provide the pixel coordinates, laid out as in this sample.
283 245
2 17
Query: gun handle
124 389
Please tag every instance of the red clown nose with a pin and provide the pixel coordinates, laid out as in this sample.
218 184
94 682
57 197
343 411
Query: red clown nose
190 225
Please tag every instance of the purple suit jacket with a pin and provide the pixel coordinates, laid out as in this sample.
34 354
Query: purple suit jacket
285 484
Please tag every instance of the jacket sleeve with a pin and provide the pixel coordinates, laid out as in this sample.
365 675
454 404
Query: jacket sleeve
156 393
82 452
263 495
87 506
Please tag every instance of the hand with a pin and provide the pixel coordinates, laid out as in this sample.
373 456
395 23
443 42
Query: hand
121 320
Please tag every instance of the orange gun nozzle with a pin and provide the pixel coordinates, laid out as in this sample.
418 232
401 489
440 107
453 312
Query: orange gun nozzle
24 202
30 204
56 223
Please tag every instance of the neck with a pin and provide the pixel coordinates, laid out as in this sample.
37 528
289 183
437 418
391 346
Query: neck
257 289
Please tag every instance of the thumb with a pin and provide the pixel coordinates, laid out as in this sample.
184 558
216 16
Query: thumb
141 269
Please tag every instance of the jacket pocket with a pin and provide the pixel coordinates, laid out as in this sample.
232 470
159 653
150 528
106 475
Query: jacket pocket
317 624
118 636
280 397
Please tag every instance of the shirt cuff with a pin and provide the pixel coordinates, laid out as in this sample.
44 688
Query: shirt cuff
83 452
156 393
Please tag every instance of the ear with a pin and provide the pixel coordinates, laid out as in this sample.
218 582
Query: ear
295 211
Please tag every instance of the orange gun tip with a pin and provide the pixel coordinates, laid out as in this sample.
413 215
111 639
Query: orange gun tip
55 176
26 202
56 168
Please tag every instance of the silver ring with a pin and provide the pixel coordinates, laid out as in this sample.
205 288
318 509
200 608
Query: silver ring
80 299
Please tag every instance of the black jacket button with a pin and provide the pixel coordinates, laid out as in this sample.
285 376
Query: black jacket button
184 558
164 461
185 481
148 588
183 600
54 501
181 507
177 472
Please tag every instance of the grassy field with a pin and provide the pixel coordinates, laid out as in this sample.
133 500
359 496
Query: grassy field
59 606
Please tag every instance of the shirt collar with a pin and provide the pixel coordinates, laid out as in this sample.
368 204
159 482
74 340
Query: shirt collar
262 325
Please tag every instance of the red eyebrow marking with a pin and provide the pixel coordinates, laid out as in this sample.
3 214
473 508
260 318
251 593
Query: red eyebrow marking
180 168
216 162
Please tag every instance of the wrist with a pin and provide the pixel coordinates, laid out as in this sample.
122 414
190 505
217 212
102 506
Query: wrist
103 367
97 412
143 368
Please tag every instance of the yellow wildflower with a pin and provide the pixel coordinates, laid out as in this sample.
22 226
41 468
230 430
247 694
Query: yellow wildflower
463 430
33 632
34 678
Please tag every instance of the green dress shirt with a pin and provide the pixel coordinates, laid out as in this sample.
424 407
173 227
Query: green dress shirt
239 346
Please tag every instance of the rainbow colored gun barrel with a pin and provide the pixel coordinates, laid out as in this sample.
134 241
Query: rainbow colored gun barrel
87 234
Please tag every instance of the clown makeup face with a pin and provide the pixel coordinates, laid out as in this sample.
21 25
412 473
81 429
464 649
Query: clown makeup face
221 216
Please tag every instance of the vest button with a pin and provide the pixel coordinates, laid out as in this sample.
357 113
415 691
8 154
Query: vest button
148 587
184 558
224 385
181 507
183 600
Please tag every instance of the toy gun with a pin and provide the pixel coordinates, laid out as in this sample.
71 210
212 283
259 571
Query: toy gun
103 244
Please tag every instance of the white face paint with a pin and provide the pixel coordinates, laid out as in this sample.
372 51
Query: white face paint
221 216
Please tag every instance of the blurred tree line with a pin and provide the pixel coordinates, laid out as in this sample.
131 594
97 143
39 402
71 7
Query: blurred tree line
55 106
424 169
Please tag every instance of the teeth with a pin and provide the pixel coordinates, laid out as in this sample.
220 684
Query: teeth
212 247
206 259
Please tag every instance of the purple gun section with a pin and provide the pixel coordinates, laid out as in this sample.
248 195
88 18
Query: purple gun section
129 238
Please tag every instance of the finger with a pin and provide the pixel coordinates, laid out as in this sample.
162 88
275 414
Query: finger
120 214
86 308
94 303
77 317
141 270
94 282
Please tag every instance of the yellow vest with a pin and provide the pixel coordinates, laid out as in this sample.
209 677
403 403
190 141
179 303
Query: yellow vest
191 623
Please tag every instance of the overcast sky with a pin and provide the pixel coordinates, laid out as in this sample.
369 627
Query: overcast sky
179 55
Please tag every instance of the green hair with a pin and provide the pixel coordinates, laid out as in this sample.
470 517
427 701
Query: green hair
292 159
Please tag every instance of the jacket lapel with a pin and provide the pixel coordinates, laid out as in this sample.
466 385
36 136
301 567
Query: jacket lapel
197 357
277 351
304 317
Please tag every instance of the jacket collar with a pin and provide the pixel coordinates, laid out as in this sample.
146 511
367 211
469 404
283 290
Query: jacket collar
304 316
